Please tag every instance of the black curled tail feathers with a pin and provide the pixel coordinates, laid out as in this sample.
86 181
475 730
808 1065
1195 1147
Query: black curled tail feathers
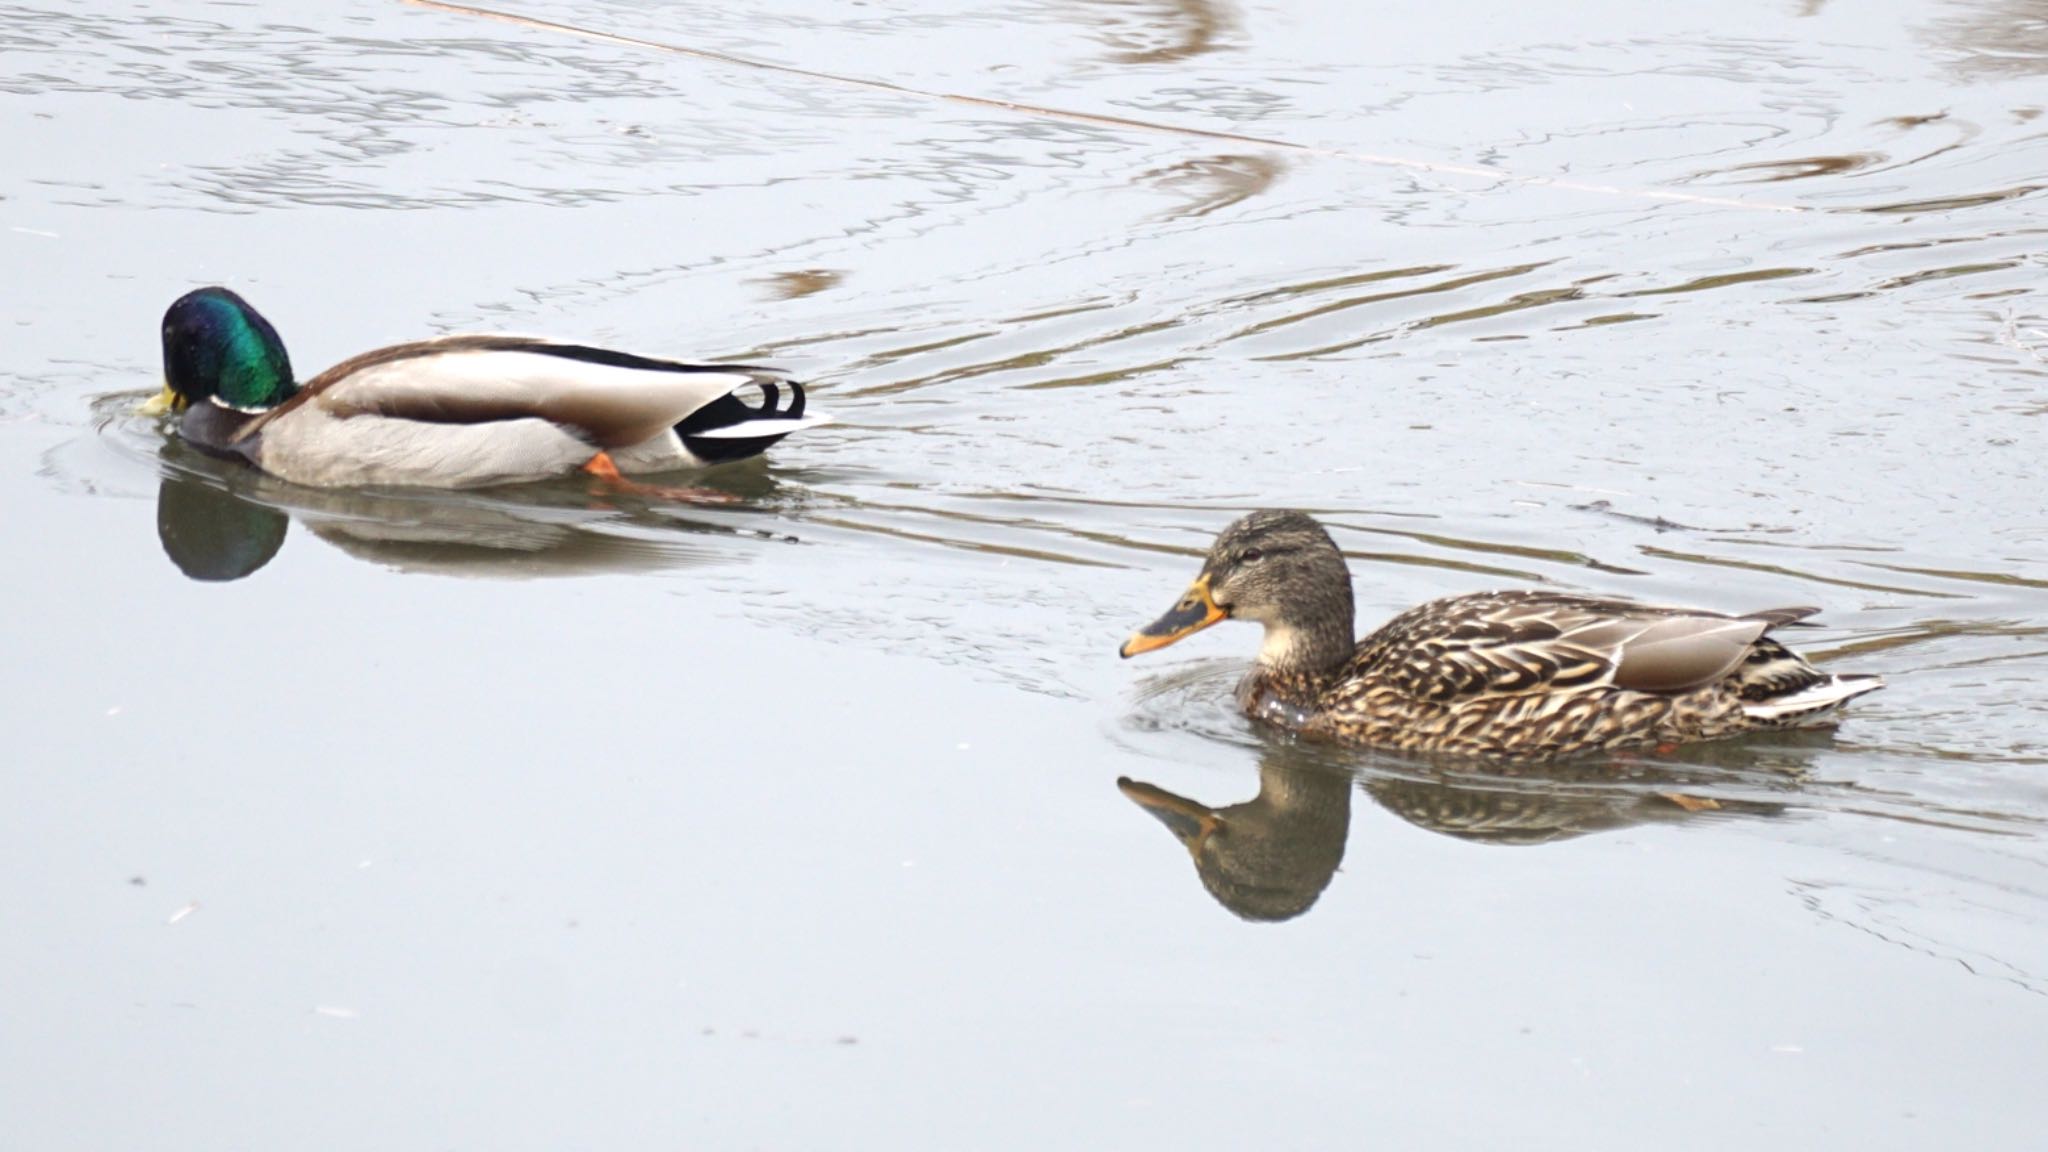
729 409
771 398
773 419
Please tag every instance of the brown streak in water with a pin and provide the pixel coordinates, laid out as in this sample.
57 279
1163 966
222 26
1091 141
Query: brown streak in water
891 355
1406 560
1111 376
1910 750
2040 654
1945 273
1350 302
1779 570
1722 281
801 283
1217 182
2026 823
1221 510
1798 546
1023 525
1519 302
2005 578
1325 350
1063 311
1611 318
1949 203
1193 28
1553 555
1927 632
1115 540
1804 167
1313 287
775 348
1941 241
1021 360
1095 119
964 545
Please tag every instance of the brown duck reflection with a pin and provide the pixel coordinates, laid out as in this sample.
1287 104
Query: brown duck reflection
219 523
1519 804
1270 857
1164 31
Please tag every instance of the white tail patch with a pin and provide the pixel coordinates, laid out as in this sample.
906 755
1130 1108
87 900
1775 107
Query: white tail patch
763 426
1823 697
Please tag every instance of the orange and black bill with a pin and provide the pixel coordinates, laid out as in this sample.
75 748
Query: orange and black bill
1195 612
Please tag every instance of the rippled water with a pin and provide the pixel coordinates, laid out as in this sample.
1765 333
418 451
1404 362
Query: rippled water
550 817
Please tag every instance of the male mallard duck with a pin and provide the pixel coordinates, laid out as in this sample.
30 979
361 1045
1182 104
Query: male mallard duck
457 412
1497 673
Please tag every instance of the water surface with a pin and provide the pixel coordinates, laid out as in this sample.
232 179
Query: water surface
548 817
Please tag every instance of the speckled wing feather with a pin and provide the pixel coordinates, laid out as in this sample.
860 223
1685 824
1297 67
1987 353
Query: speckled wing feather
1521 643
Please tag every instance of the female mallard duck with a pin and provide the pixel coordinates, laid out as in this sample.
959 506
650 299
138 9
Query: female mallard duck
1497 673
457 412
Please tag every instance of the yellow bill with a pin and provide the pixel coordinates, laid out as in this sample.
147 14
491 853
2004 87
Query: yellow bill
1195 612
162 402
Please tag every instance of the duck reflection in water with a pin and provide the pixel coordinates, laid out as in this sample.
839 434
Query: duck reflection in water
1270 857
218 522
212 534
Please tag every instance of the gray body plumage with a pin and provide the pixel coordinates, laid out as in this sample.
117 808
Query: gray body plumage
470 411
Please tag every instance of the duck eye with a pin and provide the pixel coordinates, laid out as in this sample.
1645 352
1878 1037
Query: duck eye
1250 554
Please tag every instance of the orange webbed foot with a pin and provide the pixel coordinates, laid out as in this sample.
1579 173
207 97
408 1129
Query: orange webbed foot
603 468
1692 803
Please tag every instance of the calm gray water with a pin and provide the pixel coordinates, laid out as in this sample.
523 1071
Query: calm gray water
547 819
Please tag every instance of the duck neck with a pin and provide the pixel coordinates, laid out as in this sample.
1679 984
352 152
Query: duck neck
1312 650
214 429
1306 792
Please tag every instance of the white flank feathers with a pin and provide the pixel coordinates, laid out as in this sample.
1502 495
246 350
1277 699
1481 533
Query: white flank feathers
467 417
316 448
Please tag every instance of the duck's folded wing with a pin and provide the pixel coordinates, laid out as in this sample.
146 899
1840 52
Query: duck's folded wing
612 399
1527 643
1672 653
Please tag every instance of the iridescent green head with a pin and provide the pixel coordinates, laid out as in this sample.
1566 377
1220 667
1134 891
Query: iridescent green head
216 346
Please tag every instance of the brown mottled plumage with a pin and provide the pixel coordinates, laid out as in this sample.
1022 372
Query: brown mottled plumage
1498 673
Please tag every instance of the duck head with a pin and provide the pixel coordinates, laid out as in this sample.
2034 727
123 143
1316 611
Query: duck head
218 348
1280 569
